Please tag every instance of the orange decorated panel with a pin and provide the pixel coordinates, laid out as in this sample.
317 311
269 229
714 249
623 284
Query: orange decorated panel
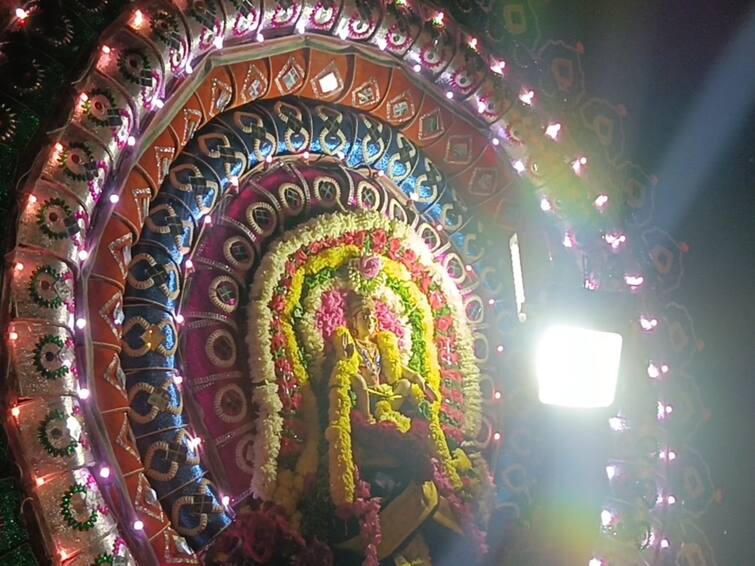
105 312
122 441
288 72
458 148
188 120
171 548
133 205
329 77
156 160
252 80
402 101
110 382
488 175
369 85
431 124
114 251
216 92
146 504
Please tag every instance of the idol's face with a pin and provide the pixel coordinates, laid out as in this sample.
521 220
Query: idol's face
365 322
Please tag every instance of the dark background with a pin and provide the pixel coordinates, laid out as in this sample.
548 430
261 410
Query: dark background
685 70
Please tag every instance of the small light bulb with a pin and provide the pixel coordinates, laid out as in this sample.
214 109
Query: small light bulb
15 411
81 323
568 241
83 97
545 205
83 255
58 147
473 43
634 280
519 166
114 198
527 97
104 472
19 266
180 318
269 159
106 49
648 323
84 393
611 471
496 436
33 199
595 562
208 219
138 525
226 500
305 155
468 267
40 481
491 301
439 227
131 141
552 130
189 264
63 555
497 395
138 19
178 379
218 42
194 442
653 371
671 500
158 102
21 14
496 141
665 543
382 43
381 173
449 94
188 68
417 68
12 336
671 455
499 348
260 38
606 517
600 201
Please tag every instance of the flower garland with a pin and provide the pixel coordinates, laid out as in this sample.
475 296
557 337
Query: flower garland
280 306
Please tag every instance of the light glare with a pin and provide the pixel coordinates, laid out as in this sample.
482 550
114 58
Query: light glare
578 367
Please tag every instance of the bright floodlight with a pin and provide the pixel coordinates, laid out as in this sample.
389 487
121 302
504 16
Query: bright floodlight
578 367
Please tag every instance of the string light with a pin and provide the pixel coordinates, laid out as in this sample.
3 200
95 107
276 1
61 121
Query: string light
40 482
84 394
491 301
496 436
33 199
617 424
180 318
499 348
208 220
158 102
665 543
12 335
417 68
131 141
495 141
19 266
178 379
218 41
138 525
473 43
438 19
114 198
519 166
568 241
81 323
189 264
381 43
83 255
195 442
611 471
595 562
449 94
260 38
606 517
226 500
497 67
615 239
634 280
21 14
106 49
15 412
497 395
104 472
545 205
188 68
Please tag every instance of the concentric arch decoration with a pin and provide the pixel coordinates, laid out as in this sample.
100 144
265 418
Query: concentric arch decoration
159 75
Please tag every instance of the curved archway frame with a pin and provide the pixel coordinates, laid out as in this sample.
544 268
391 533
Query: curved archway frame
86 182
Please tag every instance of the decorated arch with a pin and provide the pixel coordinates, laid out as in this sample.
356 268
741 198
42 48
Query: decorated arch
262 299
